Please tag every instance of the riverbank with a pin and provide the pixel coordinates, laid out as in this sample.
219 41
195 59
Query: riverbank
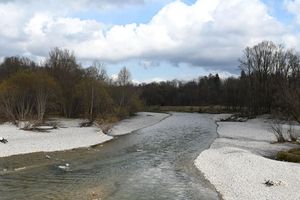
68 135
237 162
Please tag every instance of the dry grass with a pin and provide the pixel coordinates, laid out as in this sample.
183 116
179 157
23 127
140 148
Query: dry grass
292 155
106 123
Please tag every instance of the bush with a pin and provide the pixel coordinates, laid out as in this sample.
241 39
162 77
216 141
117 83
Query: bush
277 130
292 155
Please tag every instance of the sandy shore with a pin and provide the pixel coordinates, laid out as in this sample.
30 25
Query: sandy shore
237 166
68 135
141 120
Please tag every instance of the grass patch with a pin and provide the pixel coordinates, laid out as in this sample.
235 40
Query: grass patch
292 155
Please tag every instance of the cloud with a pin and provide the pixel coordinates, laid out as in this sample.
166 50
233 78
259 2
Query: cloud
293 6
45 32
208 33
78 4
149 64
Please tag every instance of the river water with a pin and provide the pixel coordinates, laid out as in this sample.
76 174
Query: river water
152 163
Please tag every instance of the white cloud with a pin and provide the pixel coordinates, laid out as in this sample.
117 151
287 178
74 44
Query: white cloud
208 33
10 21
155 79
114 77
45 32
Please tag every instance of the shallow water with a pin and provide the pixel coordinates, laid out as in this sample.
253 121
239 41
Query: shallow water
152 163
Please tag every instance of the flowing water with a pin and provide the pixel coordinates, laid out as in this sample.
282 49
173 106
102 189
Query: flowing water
152 163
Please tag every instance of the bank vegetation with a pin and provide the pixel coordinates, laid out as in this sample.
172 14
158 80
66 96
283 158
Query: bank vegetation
269 82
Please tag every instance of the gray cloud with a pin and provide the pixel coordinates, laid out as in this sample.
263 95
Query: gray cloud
209 33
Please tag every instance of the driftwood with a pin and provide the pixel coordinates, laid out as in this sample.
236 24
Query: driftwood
235 118
270 183
86 124
3 140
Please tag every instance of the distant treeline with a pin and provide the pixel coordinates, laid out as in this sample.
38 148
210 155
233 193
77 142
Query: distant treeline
269 82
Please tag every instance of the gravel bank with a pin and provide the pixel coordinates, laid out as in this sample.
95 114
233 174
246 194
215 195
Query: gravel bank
235 165
68 135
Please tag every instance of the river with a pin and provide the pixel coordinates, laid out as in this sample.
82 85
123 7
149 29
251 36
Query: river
152 163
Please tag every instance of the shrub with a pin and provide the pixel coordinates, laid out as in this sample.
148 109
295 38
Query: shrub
292 155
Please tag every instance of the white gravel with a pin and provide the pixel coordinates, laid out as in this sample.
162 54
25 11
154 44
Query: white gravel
239 174
252 130
69 137
260 148
141 120
235 165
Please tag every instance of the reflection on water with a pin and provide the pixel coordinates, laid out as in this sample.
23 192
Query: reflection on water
152 163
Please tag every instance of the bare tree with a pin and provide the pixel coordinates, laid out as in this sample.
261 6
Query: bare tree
64 68
45 88
93 97
273 75
16 94
25 95
100 71
260 63
97 71
124 77
8 99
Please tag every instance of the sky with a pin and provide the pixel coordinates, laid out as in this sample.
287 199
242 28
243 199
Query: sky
155 39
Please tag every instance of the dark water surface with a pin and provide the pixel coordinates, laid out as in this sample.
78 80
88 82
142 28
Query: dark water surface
152 163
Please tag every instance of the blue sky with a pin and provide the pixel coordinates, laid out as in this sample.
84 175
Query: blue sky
141 13
155 39
277 9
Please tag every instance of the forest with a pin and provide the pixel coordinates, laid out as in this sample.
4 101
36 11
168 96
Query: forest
62 87
269 82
